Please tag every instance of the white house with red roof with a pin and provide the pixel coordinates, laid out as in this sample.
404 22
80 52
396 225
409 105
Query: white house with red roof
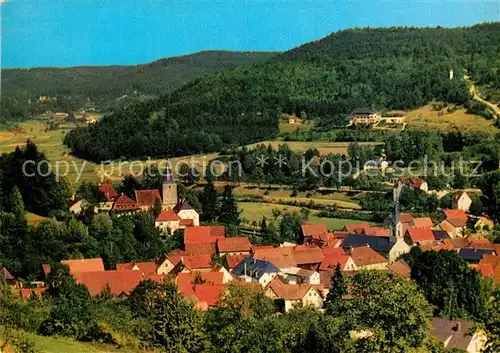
461 201
168 221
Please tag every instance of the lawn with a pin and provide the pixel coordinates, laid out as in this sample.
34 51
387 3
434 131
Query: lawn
427 118
323 147
253 212
34 219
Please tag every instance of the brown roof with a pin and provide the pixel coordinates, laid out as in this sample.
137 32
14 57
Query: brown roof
311 230
124 203
456 332
84 265
146 268
445 244
167 216
25 293
6 274
405 217
200 249
358 228
109 191
193 262
416 182
119 282
147 197
291 291
418 235
456 214
494 261
422 222
290 256
364 256
400 268
234 244
233 260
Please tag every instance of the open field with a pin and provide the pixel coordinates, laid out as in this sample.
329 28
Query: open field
253 212
55 344
323 147
285 127
427 118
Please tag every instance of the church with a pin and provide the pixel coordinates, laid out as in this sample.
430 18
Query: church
175 214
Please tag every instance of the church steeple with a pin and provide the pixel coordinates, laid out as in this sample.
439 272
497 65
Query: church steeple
169 190
396 224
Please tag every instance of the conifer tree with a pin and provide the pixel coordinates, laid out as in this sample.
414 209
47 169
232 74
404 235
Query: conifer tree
336 292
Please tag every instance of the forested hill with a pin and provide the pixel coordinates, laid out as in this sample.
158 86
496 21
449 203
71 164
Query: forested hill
74 86
395 68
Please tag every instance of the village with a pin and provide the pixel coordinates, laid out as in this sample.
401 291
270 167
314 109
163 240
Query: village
293 275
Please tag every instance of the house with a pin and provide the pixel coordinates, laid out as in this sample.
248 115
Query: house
234 246
255 270
458 334
318 234
146 268
119 283
483 224
421 222
393 119
399 268
186 212
461 201
303 256
334 257
204 234
418 236
84 265
79 206
356 228
474 255
146 199
294 295
191 263
168 221
485 270
364 116
11 280
233 260
494 262
124 204
25 293
440 234
110 194
453 226
382 245
456 214
297 275
226 275
445 244
415 183
366 258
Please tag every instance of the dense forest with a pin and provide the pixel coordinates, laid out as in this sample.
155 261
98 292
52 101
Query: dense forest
71 88
395 68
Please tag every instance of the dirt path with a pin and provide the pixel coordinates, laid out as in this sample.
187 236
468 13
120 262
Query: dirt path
476 96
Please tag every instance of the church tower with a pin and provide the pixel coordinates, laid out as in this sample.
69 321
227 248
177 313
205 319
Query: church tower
169 190
396 224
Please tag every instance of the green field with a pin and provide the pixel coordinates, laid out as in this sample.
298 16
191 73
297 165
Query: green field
323 147
253 212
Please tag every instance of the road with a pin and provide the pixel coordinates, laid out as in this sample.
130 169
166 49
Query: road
476 96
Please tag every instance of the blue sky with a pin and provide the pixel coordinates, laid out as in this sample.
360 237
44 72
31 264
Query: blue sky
103 32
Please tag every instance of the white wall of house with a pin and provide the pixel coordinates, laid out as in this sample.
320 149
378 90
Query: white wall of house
167 225
190 214
165 267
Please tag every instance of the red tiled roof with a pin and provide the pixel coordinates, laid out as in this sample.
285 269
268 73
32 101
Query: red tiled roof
290 256
186 281
193 262
233 260
418 235
485 269
25 293
340 234
234 244
364 256
145 267
358 228
480 243
400 268
45 270
422 222
119 282
208 293
416 182
494 261
442 245
124 203
84 265
378 231
290 291
203 234
456 214
109 191
405 217
167 216
200 249
312 230
147 197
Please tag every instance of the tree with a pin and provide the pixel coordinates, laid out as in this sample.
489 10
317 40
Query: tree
336 292
176 325
91 193
209 202
492 323
16 204
229 213
290 226
392 308
449 284
128 186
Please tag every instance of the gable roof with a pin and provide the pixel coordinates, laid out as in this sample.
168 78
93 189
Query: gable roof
184 205
147 197
25 293
233 260
484 269
358 228
84 265
400 268
405 217
494 261
458 194
364 256
203 234
422 222
312 230
254 267
418 235
456 214
333 256
234 244
415 182
109 191
186 281
124 203
6 274
193 262
146 268
455 332
289 256
290 291
469 254
380 244
200 249
167 216
119 282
